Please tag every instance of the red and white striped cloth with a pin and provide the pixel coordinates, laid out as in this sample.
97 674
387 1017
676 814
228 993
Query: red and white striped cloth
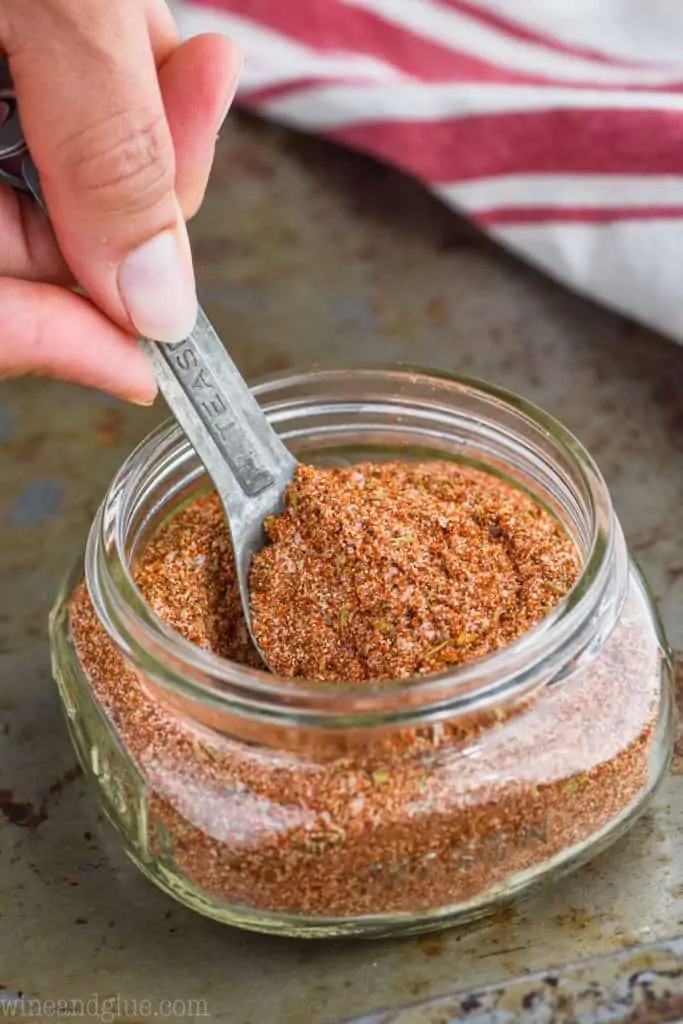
556 125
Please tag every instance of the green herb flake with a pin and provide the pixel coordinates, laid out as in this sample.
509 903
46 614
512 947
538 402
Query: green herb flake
374 493
438 648
202 748
381 777
319 841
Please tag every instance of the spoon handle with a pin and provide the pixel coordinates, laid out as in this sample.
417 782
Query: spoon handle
214 406
217 411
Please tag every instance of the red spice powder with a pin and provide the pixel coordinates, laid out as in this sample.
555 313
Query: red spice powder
444 815
389 570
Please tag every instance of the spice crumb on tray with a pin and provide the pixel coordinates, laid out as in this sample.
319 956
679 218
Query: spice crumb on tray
432 816
388 570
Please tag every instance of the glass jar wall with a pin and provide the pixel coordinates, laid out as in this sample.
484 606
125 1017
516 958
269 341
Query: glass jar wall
316 810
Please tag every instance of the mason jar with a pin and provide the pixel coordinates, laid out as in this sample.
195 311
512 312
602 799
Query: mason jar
317 810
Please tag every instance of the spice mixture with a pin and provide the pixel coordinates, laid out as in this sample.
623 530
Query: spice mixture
389 570
437 817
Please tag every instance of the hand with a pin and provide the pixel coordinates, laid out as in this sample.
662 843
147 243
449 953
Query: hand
121 121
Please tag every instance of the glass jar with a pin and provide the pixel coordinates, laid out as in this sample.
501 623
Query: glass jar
313 810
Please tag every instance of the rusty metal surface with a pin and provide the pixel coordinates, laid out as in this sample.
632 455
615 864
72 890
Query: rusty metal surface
308 254
643 986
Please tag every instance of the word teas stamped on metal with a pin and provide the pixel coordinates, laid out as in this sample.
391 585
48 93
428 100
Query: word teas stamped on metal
210 404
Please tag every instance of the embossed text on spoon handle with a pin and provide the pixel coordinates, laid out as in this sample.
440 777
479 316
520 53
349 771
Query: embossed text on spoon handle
215 407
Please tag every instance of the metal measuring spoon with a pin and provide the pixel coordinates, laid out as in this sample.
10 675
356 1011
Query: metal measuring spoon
249 465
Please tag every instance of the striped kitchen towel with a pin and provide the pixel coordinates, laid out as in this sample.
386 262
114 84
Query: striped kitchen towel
555 125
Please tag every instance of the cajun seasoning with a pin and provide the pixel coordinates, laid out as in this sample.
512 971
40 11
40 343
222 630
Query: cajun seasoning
444 817
389 570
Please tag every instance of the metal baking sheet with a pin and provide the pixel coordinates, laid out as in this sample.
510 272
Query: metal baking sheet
640 986
304 254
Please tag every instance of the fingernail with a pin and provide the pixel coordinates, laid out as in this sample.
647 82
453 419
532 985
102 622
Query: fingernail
144 402
139 385
158 290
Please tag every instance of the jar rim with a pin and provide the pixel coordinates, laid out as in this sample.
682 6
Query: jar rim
219 681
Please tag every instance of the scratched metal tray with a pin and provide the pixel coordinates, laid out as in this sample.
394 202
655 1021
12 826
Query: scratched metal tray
639 986
305 253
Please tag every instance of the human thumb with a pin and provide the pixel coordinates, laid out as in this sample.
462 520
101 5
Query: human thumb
94 120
